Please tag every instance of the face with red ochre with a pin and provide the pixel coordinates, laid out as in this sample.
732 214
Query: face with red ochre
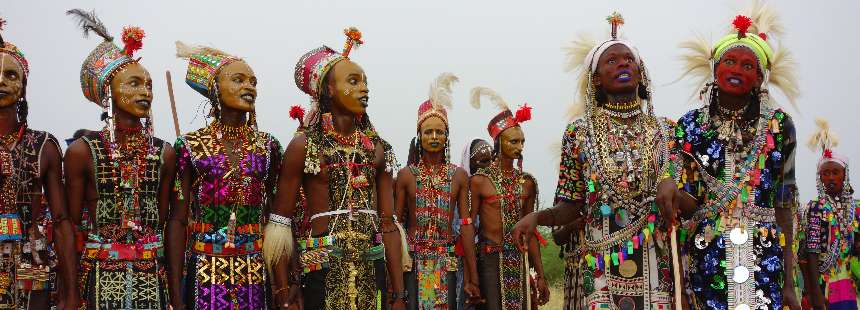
737 72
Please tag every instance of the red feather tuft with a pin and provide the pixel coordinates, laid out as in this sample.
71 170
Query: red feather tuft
742 23
524 113
762 35
297 113
828 153
132 37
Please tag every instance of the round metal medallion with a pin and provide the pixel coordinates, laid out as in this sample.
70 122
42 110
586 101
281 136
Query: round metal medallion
628 268
739 236
742 274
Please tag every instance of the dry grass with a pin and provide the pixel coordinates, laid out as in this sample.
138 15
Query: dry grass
556 297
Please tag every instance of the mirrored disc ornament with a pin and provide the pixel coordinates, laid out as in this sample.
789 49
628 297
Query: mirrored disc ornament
738 236
741 274
742 307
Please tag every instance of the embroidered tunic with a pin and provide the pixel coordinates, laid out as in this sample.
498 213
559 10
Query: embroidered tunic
27 258
830 228
122 266
433 247
225 267
618 263
736 246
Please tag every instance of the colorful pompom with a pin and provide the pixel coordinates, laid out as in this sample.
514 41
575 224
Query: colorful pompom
524 113
828 153
297 112
762 35
132 37
742 23
353 38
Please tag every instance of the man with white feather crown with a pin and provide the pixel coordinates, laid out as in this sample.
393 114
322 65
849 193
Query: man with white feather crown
613 159
501 194
430 191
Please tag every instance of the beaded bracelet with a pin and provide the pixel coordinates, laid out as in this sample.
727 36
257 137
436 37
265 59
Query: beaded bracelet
279 219
466 221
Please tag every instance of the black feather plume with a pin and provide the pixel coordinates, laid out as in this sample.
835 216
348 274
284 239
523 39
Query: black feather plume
88 21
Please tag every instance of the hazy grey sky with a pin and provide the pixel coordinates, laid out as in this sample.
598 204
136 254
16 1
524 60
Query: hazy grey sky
513 47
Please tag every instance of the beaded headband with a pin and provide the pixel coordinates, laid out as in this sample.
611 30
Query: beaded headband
103 61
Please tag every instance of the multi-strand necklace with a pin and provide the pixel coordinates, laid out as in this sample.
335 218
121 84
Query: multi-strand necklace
129 158
733 129
623 110
626 154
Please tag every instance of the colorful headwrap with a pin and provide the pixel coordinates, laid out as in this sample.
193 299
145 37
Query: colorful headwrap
314 65
204 64
505 119
440 99
7 48
755 30
583 55
756 42
823 140
103 61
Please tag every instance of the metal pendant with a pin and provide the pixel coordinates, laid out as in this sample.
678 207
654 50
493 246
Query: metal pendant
741 274
738 236
628 268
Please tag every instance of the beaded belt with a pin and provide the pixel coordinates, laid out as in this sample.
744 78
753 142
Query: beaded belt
144 250
316 252
250 229
10 227
33 277
345 211
209 248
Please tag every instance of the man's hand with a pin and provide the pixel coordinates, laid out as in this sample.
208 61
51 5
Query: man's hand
542 291
525 228
473 294
667 200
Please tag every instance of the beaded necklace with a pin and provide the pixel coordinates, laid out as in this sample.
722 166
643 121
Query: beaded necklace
509 187
129 167
840 215
623 109
433 201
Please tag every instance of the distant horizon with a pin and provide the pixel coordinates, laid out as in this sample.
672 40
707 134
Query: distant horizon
511 47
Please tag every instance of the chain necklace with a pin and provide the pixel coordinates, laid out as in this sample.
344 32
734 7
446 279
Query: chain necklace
732 128
626 159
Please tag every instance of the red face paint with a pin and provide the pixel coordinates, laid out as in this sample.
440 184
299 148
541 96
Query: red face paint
737 71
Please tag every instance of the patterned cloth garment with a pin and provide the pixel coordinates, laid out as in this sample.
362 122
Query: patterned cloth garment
225 267
27 259
433 246
830 226
736 250
620 261
122 266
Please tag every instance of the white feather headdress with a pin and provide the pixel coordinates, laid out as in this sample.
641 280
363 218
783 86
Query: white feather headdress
440 90
698 56
494 97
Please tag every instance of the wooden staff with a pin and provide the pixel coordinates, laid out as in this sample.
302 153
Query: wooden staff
172 103
676 266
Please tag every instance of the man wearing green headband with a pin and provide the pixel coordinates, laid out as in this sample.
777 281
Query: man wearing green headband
737 190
